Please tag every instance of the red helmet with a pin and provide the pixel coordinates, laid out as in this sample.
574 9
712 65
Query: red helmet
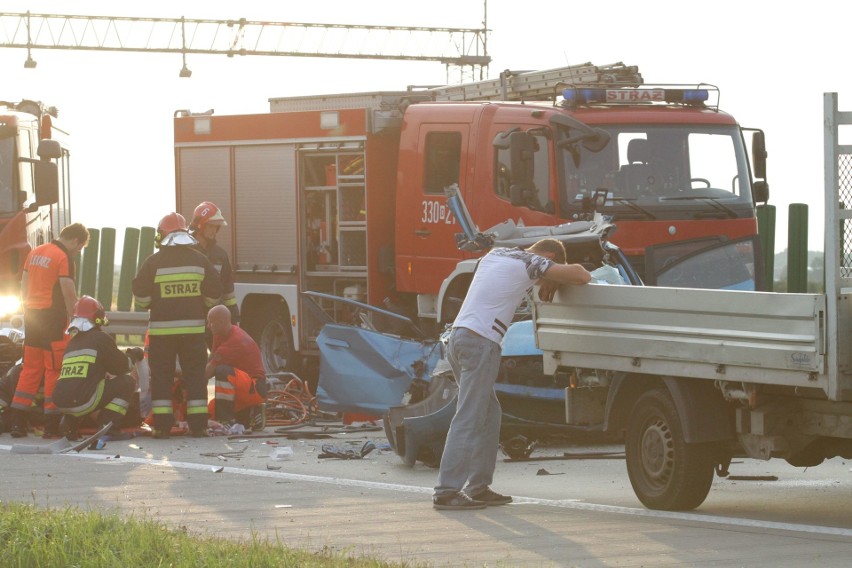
91 309
206 213
171 223
88 313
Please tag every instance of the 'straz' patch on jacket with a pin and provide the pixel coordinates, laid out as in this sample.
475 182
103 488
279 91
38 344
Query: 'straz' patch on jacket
178 284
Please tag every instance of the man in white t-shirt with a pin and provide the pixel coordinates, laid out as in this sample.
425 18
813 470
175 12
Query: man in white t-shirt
502 280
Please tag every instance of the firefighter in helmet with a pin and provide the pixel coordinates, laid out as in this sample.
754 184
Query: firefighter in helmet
207 219
95 373
178 285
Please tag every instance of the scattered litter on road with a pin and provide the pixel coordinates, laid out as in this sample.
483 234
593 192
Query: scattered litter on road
135 447
311 433
543 471
753 477
273 467
329 451
282 453
223 455
571 456
219 469
283 506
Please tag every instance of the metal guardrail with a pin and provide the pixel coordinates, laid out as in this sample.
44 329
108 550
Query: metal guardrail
127 323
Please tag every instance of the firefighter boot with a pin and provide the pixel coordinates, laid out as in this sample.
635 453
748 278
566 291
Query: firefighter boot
68 427
197 425
51 426
163 426
18 423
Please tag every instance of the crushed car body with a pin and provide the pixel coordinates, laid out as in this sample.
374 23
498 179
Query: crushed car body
407 380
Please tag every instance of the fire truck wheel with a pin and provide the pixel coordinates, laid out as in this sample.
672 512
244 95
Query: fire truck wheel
273 336
666 472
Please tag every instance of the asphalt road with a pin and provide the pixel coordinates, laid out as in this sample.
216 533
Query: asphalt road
578 511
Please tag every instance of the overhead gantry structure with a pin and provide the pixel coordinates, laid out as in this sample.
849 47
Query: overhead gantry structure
462 50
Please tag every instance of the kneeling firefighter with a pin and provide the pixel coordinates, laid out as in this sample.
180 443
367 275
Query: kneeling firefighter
94 375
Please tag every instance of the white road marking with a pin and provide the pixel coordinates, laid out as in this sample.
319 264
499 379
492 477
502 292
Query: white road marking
556 503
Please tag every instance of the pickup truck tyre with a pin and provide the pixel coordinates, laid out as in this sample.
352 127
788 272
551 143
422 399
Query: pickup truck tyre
665 472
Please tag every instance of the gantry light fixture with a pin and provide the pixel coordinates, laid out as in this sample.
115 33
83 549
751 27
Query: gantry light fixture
30 63
185 72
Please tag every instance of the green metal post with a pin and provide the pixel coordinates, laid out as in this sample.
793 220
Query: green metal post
146 248
766 234
106 267
124 301
78 276
89 273
797 248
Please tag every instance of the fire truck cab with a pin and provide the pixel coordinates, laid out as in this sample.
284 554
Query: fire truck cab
345 194
34 190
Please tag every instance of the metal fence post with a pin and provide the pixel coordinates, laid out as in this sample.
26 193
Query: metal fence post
124 301
106 267
766 233
88 275
797 248
146 248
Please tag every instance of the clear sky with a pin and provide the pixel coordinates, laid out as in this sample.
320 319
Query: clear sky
772 62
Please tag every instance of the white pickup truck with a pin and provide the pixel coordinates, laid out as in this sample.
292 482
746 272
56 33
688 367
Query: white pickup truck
693 377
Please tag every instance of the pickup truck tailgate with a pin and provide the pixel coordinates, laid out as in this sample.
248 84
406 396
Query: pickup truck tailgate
760 337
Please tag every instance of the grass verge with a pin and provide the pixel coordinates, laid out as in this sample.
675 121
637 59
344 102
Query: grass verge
30 536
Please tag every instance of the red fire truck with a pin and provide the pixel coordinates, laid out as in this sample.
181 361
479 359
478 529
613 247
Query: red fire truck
344 194
34 190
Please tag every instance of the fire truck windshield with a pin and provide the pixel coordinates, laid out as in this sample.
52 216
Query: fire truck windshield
661 172
7 197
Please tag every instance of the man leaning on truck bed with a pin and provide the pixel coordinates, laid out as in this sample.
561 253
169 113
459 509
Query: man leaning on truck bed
503 278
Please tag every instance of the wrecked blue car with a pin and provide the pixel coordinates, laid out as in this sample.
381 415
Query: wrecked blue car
381 364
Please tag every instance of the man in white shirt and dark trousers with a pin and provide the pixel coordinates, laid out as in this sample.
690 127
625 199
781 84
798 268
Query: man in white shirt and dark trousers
502 280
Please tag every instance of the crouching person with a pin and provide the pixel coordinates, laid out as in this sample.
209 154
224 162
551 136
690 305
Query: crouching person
94 375
240 379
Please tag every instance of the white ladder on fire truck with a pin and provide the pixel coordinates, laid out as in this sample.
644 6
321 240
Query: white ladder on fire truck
540 85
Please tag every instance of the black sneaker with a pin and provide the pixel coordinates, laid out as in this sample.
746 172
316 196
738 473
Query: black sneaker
491 498
456 502
198 433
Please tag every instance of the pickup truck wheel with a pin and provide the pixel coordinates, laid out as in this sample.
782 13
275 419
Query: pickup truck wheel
273 336
665 472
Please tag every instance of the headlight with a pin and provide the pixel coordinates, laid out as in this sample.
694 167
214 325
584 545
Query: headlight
9 305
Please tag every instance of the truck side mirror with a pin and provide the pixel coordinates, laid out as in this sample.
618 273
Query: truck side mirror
758 154
49 149
46 182
760 191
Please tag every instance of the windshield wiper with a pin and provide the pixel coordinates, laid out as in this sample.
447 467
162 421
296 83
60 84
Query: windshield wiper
629 201
714 201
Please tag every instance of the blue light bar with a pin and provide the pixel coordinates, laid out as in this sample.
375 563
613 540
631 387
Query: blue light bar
696 96
584 96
